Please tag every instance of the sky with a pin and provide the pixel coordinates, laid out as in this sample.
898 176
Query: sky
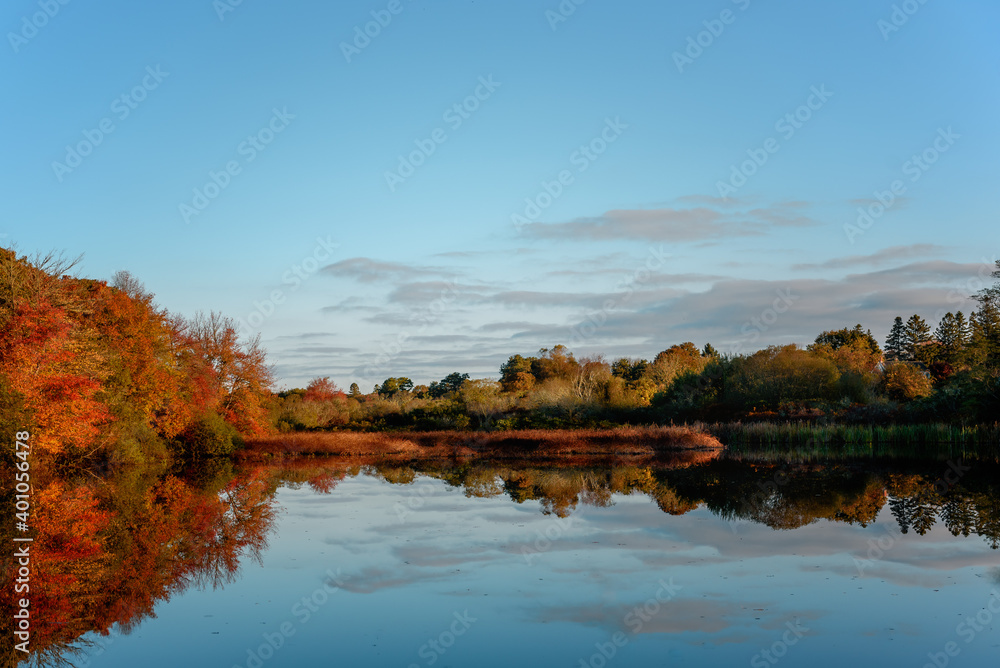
411 188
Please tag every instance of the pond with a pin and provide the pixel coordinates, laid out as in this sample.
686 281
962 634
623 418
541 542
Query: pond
699 561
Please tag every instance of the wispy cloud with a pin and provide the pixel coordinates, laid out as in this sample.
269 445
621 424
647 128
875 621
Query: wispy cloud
367 270
676 224
882 257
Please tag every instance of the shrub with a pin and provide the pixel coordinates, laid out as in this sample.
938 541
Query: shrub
905 382
208 436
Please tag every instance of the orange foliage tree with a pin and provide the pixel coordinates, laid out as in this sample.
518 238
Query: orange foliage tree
83 364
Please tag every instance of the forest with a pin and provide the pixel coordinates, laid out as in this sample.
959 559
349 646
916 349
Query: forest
95 369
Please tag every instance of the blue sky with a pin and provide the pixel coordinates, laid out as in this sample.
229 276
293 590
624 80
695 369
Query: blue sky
435 272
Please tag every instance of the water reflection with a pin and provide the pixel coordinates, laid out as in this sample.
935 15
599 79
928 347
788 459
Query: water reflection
105 552
108 550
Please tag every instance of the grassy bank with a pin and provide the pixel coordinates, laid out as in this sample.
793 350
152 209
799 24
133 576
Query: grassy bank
623 441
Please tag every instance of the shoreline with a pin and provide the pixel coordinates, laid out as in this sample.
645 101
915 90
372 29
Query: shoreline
530 444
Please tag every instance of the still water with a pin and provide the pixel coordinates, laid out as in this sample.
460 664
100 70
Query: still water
707 562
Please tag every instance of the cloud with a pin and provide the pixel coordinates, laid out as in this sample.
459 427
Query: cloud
349 304
425 293
510 326
675 224
884 256
712 200
649 225
367 270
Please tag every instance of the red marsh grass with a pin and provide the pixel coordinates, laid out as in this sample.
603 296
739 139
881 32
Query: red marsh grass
679 442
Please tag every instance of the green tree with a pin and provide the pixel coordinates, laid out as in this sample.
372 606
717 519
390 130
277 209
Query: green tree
393 386
895 343
985 343
856 338
450 383
951 334
917 340
709 351
355 391
628 369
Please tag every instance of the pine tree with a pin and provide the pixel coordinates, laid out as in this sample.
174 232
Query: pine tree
918 333
985 343
950 336
964 329
709 351
355 391
894 343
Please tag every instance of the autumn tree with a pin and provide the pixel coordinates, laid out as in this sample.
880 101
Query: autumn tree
242 376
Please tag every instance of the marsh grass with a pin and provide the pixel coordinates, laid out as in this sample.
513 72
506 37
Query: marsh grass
634 441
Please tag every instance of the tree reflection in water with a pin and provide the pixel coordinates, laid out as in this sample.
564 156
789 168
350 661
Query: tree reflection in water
106 551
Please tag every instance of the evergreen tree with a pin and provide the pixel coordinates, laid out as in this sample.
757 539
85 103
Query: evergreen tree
985 344
895 342
709 351
355 391
917 334
450 383
964 329
950 336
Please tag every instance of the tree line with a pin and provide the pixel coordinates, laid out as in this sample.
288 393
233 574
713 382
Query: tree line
947 374
97 369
